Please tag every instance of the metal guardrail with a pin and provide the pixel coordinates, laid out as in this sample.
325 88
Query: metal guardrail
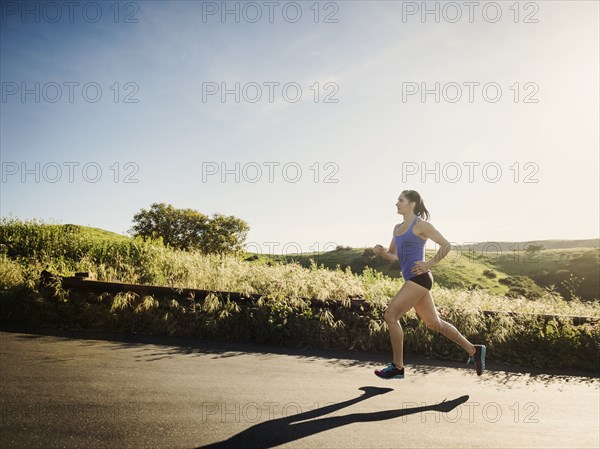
81 282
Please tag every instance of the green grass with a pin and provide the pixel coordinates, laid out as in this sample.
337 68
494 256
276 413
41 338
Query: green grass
70 247
463 270
64 249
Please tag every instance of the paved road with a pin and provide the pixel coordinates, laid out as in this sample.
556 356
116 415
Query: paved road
74 390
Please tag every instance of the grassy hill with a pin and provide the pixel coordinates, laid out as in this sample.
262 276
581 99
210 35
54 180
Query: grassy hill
452 272
512 246
568 270
101 233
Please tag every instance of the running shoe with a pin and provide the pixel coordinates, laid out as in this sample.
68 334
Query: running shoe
390 372
478 358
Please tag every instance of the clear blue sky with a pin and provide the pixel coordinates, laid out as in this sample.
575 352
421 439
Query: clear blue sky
371 136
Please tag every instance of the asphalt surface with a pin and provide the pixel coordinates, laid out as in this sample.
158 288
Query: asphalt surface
99 390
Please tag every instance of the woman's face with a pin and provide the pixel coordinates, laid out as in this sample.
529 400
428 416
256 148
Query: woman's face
403 205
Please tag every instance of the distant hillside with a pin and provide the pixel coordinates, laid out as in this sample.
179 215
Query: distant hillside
513 246
568 265
99 233
500 272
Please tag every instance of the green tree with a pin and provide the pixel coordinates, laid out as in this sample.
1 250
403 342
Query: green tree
189 229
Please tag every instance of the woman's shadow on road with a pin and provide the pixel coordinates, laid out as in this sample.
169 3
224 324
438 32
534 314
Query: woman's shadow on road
283 430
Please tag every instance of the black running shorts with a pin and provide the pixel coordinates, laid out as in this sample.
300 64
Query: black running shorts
423 279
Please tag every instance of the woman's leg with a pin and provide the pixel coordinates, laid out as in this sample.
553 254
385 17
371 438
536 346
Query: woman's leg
425 309
404 300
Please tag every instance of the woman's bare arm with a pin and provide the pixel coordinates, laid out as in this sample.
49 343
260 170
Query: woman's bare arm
391 254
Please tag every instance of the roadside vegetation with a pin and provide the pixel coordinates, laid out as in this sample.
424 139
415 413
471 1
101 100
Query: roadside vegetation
283 315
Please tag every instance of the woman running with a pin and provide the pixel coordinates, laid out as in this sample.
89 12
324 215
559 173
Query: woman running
408 246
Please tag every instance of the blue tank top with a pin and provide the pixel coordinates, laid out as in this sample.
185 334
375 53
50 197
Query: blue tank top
410 249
